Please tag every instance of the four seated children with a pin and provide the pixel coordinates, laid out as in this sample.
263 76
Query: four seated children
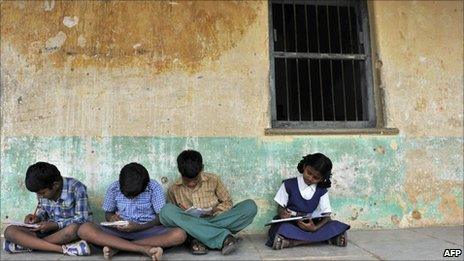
63 214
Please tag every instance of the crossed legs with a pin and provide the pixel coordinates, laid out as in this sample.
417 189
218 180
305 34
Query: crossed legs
151 246
53 243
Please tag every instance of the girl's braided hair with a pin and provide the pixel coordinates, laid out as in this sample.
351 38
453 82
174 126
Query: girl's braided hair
320 163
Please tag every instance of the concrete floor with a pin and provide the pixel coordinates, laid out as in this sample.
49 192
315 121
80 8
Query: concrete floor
400 244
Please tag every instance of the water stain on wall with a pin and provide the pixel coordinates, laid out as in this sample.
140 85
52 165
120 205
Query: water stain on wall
425 182
160 35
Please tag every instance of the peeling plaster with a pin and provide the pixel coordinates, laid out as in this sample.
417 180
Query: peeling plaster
70 21
48 5
54 43
81 41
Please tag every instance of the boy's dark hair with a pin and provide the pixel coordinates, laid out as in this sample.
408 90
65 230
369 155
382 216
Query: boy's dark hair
189 163
41 175
322 164
133 179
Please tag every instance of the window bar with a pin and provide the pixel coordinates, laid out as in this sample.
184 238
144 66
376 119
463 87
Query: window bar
331 74
309 64
352 65
363 79
333 56
297 71
342 62
285 60
320 73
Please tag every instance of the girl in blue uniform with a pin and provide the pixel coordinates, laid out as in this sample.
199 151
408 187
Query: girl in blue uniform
307 195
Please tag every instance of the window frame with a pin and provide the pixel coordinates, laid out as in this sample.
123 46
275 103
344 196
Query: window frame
368 91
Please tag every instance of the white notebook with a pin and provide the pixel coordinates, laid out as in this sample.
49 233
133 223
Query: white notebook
298 218
194 211
21 224
119 223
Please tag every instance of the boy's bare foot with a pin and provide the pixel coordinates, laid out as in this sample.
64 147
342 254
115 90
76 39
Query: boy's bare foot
109 252
155 253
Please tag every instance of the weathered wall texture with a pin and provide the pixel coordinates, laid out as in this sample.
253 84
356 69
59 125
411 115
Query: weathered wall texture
420 46
91 86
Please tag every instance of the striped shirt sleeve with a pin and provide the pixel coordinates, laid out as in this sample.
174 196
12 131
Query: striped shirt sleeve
109 202
158 199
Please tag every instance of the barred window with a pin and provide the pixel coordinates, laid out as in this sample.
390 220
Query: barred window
321 74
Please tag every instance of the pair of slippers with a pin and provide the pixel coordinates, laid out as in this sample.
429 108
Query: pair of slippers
230 245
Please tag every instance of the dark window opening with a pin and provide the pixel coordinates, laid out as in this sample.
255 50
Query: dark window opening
321 74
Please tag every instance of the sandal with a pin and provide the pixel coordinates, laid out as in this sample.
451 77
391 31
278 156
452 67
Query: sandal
197 247
280 242
230 245
340 240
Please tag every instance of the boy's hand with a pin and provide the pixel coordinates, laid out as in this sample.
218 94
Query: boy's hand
131 227
307 225
114 217
31 219
181 206
46 226
207 214
211 213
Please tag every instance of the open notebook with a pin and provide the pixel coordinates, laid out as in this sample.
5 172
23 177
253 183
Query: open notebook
197 212
119 223
21 224
309 216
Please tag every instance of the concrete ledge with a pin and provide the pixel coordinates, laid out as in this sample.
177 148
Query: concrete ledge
370 131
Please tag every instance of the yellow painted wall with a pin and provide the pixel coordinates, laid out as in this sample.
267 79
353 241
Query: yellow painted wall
135 68
190 62
420 44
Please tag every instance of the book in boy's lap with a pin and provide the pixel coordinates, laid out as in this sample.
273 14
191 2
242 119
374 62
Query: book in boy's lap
197 212
21 224
119 223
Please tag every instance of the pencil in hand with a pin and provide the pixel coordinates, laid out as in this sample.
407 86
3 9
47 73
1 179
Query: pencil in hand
32 218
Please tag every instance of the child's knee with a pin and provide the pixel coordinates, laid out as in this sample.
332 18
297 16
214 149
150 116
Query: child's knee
178 235
83 230
10 231
250 207
70 231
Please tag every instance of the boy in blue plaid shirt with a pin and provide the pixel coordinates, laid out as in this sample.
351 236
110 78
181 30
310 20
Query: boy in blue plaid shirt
137 199
62 207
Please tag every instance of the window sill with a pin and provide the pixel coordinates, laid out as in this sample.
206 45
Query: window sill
369 131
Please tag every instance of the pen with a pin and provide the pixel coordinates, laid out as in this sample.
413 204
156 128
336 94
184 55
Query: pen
35 212
181 206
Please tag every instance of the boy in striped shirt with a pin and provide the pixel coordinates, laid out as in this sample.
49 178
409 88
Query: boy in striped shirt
62 207
137 199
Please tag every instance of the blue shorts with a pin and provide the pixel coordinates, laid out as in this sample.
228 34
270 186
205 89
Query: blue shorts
153 231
